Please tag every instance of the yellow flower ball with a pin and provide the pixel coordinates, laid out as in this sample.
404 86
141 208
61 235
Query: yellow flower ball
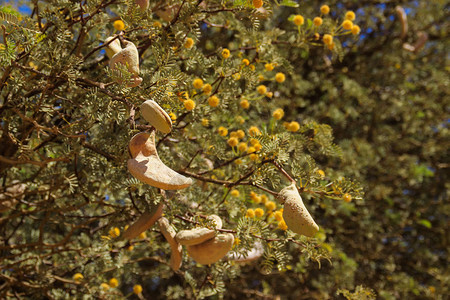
280 77
234 193
293 126
244 104
347 24
173 116
119 25
347 197
327 39
188 43
331 46
269 94
282 225
240 119
278 114
213 101
240 134
253 157
278 215
261 89
317 21
316 36
264 199
104 286
114 232
137 289
350 15
254 131
130 248
238 162
270 205
325 9
233 142
77 277
298 20
268 67
253 142
259 212
252 67
261 77
197 83
189 104
321 173
251 149
245 61
157 24
207 89
205 122
257 3
113 282
242 147
142 236
236 76
250 213
355 29
225 53
257 147
222 131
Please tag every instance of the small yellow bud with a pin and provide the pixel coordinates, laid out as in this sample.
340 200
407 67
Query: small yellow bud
242 147
207 89
325 9
114 232
119 25
78 277
259 212
298 20
244 104
213 101
293 126
278 215
270 205
173 116
225 53
137 289
327 39
234 193
113 282
350 15
282 225
240 134
317 21
189 104
222 131
197 83
261 89
245 61
233 142
347 197
268 67
250 213
257 3
280 77
355 29
347 24
205 122
254 131
188 43
278 114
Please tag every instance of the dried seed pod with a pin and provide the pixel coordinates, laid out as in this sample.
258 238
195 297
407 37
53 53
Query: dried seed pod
156 116
144 222
198 235
401 14
217 220
143 4
113 47
422 38
295 214
176 257
8 197
128 57
212 250
256 252
146 165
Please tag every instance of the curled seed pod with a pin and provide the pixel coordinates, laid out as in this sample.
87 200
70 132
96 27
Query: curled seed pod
156 116
256 252
421 40
144 222
217 220
113 47
295 214
176 256
129 57
195 236
146 165
401 14
212 250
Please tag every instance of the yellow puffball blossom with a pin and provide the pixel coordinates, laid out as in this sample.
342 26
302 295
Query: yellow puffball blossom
251 149
245 61
261 77
327 39
253 142
188 43
331 46
240 134
142 236
253 156
207 89
252 67
225 53
269 94
282 225
233 142
255 197
113 282
173 116
114 232
77 277
298 20
205 122
293 126
264 199
213 101
240 119
222 131
137 289
278 114
104 286
157 24
280 77
278 215
250 213
268 67
254 131
347 24
355 29
270 205
350 15
242 146
259 212
234 193
244 104
257 147
321 173
236 76
118 25
238 162
130 248
197 83
325 9
257 3
317 21
261 89
189 104
347 197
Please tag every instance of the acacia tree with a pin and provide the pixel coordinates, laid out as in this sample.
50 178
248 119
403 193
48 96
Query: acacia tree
254 96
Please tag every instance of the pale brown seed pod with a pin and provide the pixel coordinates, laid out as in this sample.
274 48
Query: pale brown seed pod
198 235
156 116
143 4
212 250
144 222
176 256
113 47
9 197
295 214
129 57
146 165
401 14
